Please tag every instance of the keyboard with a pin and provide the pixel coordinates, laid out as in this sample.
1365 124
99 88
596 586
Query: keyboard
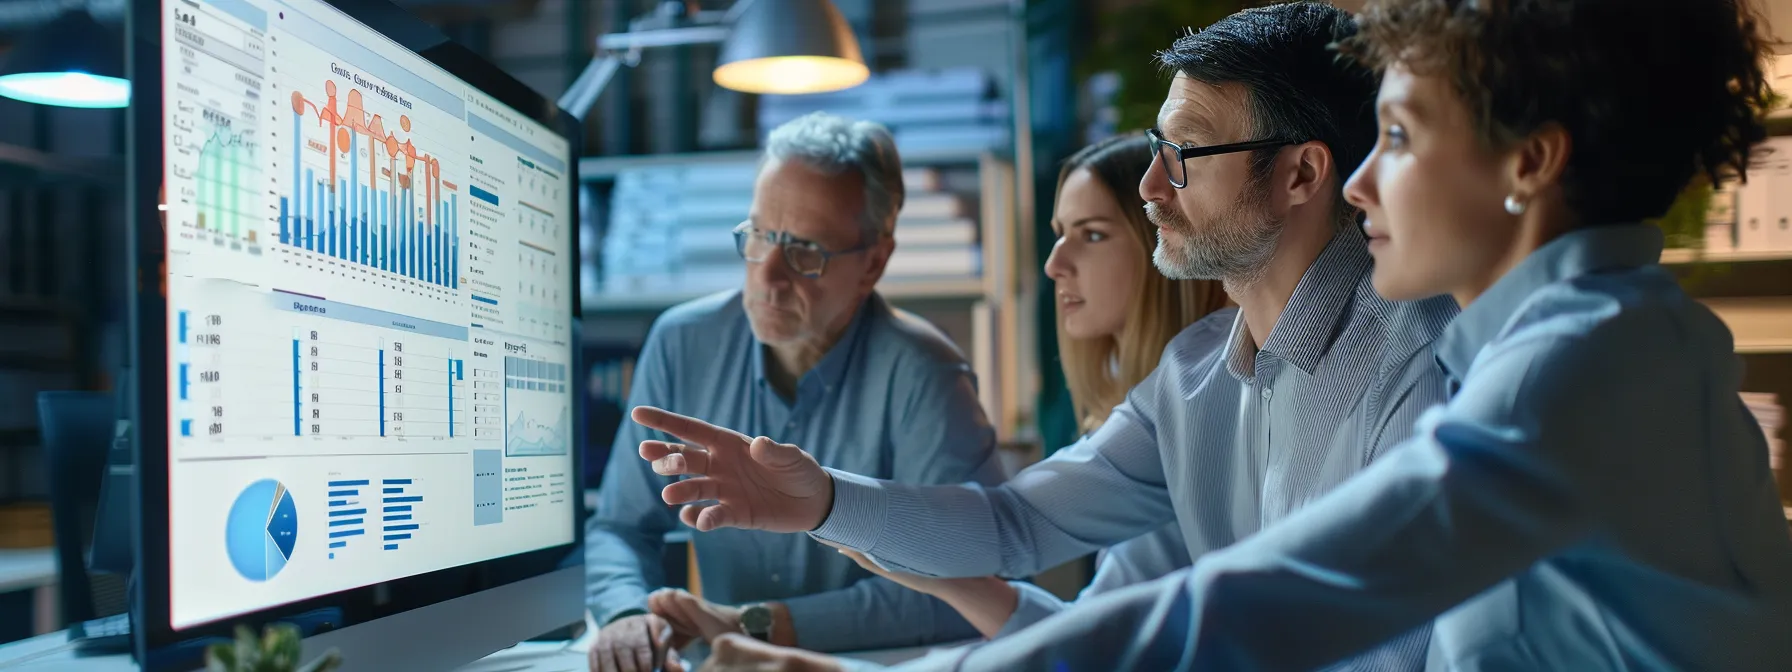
111 634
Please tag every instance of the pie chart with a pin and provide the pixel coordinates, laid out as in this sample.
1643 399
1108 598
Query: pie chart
261 530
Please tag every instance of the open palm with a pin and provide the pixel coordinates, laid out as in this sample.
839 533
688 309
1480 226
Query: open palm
735 481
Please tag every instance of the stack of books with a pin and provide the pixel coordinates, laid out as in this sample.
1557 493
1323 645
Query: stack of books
950 109
1767 410
670 230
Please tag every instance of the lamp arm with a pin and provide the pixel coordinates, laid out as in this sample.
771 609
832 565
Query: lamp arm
582 95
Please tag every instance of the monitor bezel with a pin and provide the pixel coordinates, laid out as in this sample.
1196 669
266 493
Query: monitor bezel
146 240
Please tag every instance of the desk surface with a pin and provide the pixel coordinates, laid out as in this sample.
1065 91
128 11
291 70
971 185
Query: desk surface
27 568
52 653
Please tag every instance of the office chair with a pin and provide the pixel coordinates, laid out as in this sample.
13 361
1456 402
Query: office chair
78 433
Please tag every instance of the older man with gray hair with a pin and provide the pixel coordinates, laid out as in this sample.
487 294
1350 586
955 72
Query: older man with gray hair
807 350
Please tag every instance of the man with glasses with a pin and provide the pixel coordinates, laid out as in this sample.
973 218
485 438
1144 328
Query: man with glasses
1240 425
809 351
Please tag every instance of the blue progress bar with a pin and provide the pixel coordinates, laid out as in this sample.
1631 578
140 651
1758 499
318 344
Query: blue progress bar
391 547
396 481
345 521
402 500
391 509
338 544
393 491
334 484
396 537
401 528
344 493
347 533
348 512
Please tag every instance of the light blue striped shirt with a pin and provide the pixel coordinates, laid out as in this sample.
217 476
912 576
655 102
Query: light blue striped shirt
1222 439
1593 497
894 398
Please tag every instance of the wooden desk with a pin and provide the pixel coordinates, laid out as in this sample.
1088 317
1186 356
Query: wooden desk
32 569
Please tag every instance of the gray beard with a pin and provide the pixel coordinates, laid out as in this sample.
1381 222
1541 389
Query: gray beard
1234 248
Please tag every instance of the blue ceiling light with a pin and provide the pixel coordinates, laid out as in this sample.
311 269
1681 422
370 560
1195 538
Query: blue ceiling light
72 61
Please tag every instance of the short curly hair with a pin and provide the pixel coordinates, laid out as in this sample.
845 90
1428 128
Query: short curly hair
1651 92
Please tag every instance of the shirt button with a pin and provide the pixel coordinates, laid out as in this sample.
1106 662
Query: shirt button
1266 395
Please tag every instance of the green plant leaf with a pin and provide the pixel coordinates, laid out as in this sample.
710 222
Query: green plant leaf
1127 39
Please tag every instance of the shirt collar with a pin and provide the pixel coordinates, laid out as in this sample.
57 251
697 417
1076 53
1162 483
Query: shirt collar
832 368
1308 324
1573 254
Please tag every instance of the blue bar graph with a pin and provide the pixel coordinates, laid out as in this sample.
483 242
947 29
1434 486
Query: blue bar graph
297 418
382 391
397 509
347 513
363 216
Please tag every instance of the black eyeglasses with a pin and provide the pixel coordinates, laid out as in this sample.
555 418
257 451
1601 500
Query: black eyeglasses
806 258
1173 155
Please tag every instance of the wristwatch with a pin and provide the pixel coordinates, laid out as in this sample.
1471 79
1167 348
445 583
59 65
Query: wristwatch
756 621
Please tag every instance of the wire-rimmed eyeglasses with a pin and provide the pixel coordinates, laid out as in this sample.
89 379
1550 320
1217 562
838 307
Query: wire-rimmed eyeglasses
1173 155
806 258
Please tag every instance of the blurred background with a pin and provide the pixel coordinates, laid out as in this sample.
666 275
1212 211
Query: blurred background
985 97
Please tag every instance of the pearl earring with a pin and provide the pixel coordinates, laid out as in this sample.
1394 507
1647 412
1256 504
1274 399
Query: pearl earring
1514 206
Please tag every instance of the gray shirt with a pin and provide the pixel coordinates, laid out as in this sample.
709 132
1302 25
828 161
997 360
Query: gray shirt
1222 438
892 399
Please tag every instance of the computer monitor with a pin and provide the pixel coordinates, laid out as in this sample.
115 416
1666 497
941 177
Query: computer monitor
355 336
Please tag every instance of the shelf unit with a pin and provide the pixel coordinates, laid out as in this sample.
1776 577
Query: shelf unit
1761 325
1674 256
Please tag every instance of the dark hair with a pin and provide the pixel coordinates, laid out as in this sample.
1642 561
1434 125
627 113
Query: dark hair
1651 92
1300 90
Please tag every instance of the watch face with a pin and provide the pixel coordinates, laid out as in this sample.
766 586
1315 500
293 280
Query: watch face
756 618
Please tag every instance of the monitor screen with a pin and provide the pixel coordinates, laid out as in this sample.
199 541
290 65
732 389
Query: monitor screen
369 304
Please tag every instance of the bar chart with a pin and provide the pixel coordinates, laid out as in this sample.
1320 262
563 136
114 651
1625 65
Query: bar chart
380 203
347 513
351 381
225 176
398 502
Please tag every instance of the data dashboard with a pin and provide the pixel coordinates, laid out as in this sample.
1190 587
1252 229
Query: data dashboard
369 268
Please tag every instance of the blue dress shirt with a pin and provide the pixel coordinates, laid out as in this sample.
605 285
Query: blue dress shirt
1594 496
1222 439
894 398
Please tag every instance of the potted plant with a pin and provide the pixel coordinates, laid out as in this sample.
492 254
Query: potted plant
277 650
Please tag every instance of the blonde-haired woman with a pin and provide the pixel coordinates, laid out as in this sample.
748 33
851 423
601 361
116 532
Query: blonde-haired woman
1115 315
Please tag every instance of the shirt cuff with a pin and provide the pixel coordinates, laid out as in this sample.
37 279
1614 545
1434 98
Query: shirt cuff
826 621
1035 604
616 604
860 507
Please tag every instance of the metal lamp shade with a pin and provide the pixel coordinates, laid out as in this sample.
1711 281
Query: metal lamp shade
790 46
71 61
